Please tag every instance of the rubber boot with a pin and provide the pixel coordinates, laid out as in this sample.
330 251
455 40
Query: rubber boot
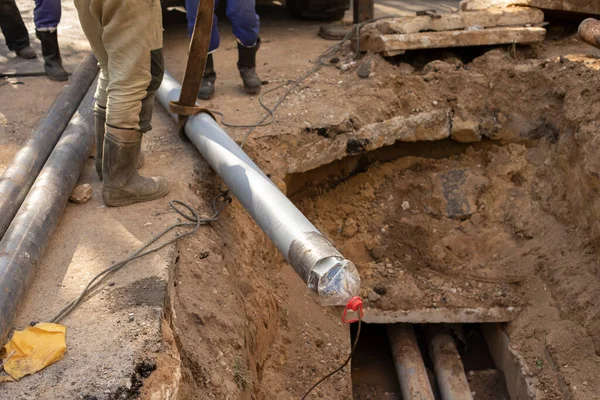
207 89
26 52
247 67
100 126
122 184
51 53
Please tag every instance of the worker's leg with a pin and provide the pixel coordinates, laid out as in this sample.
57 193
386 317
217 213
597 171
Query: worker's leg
131 39
13 27
46 16
207 89
246 24
191 7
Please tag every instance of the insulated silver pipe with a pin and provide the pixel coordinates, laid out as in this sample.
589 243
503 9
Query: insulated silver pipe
312 256
26 239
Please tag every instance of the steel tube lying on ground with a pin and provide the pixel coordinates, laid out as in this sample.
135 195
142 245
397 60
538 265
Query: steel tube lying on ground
311 255
28 162
27 237
448 366
410 368
589 32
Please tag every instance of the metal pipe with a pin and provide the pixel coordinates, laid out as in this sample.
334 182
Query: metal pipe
28 162
589 32
311 255
448 367
27 237
410 368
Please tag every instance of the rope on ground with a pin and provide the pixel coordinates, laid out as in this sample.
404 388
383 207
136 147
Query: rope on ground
192 220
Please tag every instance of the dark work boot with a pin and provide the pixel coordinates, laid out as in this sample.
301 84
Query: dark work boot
26 52
122 185
207 90
100 127
51 53
247 66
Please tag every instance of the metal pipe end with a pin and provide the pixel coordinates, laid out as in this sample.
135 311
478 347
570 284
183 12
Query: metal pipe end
336 280
589 32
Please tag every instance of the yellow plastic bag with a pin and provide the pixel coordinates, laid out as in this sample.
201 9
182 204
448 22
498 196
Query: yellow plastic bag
34 348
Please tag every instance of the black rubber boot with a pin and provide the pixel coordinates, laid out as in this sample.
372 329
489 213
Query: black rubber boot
247 67
122 184
207 90
51 53
100 128
26 52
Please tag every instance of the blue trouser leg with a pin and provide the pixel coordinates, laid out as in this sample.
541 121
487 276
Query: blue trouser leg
245 21
191 7
46 14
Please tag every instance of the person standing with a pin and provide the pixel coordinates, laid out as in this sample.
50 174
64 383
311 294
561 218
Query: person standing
246 25
126 37
14 30
46 16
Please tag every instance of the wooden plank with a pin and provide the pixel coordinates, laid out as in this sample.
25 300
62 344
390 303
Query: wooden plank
436 40
516 16
577 6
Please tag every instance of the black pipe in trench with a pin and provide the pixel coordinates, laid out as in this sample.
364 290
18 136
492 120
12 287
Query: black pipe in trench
26 239
20 174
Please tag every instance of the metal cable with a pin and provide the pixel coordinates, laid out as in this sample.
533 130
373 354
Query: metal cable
193 220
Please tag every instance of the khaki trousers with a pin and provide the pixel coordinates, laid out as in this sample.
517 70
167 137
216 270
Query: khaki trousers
126 37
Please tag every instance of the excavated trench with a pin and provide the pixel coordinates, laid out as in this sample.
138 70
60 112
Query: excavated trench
496 239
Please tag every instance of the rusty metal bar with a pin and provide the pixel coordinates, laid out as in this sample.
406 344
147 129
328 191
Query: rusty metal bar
448 366
364 10
26 239
589 32
28 162
411 371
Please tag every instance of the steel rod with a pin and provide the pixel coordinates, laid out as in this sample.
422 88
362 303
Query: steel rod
311 255
24 168
448 366
26 239
410 368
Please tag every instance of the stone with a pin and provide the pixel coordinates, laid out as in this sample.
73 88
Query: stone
350 228
373 297
378 253
438 66
81 194
465 129
365 68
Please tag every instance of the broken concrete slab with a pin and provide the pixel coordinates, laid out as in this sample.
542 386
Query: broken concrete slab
518 16
576 6
424 126
436 315
461 38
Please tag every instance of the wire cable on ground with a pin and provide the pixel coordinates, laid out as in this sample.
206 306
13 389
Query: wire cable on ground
192 220
338 369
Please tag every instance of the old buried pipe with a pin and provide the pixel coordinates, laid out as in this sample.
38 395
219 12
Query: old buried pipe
448 366
410 368
589 32
20 174
27 237
312 256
